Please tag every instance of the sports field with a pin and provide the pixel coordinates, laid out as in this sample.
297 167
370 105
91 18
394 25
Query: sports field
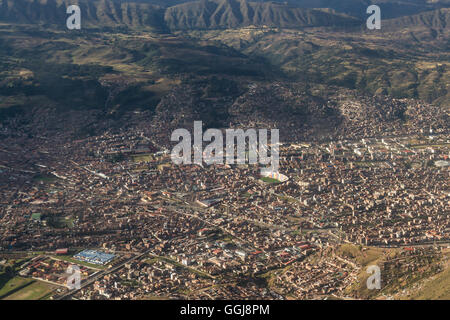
9 285
34 291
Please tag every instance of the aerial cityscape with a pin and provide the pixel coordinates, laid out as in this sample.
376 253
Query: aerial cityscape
351 203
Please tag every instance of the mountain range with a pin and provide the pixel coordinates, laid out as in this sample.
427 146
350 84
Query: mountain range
209 14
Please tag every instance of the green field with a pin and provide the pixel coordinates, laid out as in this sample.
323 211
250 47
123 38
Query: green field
60 222
142 158
35 291
270 180
45 178
9 285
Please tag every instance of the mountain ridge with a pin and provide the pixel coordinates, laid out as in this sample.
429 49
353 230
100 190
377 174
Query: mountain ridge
210 14
438 19
96 13
219 14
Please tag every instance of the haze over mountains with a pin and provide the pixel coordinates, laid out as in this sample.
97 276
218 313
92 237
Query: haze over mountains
210 14
437 19
94 13
213 14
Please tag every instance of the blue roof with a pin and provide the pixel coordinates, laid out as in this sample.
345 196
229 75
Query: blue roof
93 256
